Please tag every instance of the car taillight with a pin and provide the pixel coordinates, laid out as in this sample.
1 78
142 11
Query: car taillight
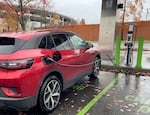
16 64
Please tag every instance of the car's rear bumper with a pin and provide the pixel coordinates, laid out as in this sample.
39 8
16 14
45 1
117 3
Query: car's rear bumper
19 104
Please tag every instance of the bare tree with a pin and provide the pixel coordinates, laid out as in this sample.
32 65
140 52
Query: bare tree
82 22
46 6
20 8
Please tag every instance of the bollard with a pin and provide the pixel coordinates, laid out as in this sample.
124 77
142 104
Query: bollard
139 53
117 53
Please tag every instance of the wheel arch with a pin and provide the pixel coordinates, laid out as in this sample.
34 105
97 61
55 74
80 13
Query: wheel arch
55 72
58 75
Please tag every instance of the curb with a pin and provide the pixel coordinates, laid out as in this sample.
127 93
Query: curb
130 70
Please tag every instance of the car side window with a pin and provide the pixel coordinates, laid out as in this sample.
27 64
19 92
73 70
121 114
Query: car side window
76 41
50 43
42 44
46 43
61 42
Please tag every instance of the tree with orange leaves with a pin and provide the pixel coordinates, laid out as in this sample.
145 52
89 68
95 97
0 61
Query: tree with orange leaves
18 9
132 10
11 22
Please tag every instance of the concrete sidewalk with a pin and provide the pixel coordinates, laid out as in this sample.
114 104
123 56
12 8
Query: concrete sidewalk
108 58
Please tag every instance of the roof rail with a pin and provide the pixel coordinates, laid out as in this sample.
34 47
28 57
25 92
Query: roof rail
43 30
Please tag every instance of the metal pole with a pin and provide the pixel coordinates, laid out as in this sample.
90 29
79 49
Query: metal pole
147 13
117 56
128 56
124 10
139 53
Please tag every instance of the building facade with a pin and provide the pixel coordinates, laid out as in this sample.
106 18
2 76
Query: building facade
34 18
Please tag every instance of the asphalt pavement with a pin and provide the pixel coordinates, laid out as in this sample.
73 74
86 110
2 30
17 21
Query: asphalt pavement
109 94
129 95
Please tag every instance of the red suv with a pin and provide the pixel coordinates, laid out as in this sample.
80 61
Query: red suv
36 66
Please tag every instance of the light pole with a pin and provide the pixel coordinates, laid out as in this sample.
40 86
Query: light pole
124 11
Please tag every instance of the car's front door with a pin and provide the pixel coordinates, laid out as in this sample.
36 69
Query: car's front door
85 57
70 57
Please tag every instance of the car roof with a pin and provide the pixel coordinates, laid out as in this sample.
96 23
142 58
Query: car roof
26 35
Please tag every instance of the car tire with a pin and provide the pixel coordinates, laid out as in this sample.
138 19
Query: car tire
96 68
50 94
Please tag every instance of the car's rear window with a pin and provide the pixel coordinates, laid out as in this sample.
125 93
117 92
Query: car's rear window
9 45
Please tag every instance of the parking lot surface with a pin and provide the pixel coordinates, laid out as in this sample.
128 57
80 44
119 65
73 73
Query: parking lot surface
109 94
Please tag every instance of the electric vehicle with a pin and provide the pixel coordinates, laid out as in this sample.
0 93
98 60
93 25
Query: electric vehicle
36 66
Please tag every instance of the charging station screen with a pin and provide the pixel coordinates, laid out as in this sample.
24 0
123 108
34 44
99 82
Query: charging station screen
109 7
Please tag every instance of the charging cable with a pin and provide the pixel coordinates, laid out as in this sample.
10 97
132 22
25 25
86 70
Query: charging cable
70 65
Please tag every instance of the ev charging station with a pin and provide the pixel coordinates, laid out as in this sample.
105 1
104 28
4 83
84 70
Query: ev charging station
129 44
107 28
110 17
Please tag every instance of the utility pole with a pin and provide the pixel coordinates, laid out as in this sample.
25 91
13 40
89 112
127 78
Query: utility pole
147 13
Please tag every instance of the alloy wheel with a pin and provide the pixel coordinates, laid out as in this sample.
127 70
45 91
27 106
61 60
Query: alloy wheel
96 67
52 94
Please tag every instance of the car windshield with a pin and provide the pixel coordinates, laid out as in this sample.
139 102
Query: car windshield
9 45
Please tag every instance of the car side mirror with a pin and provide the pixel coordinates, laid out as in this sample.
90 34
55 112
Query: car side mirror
90 45
57 56
86 44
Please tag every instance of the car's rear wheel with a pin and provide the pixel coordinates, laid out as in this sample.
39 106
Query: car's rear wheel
50 93
96 68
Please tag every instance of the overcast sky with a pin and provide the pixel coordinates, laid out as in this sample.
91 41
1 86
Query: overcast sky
87 9
146 6
78 9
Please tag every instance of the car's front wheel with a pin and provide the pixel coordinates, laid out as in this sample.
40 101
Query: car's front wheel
96 68
50 93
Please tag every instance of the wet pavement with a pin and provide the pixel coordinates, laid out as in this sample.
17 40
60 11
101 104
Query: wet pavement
127 95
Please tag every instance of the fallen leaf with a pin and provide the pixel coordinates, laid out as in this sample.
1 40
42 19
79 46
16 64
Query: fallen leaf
129 110
135 104
121 110
118 101
97 90
108 95
72 106
126 107
79 109
131 105
66 99
109 106
72 101
75 94
82 100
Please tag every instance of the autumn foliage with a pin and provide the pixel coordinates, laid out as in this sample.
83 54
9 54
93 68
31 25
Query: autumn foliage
18 10
133 10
